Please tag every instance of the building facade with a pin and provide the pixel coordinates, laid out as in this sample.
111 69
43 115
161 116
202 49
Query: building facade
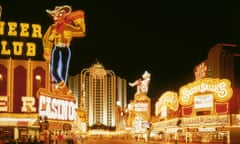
208 109
98 91
19 82
29 104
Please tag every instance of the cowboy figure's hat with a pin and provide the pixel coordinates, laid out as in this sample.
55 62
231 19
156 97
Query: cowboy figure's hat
65 8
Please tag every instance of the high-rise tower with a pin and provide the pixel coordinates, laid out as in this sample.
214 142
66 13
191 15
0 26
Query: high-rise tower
98 92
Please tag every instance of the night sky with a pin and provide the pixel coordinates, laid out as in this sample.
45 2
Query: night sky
166 38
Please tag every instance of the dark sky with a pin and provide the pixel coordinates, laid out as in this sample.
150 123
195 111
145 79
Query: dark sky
166 38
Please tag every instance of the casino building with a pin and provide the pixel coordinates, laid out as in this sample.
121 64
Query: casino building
19 82
29 106
207 109
101 94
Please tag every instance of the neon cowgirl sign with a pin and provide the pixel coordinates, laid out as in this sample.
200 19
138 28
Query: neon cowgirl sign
55 108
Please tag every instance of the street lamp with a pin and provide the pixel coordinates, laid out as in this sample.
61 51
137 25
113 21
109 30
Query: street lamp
1 79
38 80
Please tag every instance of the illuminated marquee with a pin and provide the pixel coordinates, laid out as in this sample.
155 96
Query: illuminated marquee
19 33
167 100
203 101
55 108
140 107
220 88
28 104
170 99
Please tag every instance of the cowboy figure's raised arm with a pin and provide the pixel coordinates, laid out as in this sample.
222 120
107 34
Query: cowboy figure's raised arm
78 28
48 42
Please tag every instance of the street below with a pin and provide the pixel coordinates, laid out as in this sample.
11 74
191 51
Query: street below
114 141
133 141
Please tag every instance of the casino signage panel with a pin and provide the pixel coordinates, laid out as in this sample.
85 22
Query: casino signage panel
20 40
58 109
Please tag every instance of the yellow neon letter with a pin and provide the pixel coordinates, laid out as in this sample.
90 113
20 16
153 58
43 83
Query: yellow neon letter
24 30
5 51
17 48
28 104
2 27
31 49
36 31
12 28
